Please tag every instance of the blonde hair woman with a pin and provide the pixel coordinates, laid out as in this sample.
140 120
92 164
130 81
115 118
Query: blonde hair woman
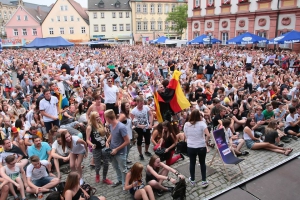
96 138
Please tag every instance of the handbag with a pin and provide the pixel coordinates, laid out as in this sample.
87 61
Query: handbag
181 147
162 154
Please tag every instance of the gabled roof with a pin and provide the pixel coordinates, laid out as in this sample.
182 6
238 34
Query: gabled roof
109 5
81 11
26 4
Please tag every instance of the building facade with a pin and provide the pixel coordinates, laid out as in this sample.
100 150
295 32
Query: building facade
6 11
149 19
67 19
225 19
25 23
110 19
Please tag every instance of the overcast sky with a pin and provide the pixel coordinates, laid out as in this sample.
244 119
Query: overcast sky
49 2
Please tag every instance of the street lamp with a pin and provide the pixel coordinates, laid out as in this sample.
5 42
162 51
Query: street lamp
210 42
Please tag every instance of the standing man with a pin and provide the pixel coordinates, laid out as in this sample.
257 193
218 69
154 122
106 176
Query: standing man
111 93
117 142
143 117
49 109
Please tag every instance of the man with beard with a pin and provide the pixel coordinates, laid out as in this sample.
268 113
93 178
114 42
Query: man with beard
40 149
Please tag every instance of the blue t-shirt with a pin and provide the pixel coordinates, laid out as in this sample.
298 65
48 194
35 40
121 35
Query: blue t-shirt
117 139
42 153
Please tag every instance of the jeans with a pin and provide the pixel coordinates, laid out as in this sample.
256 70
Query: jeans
201 153
119 164
208 77
165 74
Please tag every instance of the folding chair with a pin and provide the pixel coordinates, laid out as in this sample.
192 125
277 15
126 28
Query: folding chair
227 157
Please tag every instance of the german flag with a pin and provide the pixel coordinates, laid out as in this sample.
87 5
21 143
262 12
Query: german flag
157 107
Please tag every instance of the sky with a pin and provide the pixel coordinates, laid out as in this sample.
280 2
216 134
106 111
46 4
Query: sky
49 2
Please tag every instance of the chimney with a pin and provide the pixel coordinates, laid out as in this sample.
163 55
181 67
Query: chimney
38 11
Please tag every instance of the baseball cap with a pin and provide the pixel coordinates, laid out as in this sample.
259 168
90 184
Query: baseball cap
14 130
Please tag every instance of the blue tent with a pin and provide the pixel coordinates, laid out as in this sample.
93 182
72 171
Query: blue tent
247 38
50 42
290 37
161 39
204 39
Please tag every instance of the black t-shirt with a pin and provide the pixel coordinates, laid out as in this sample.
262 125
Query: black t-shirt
37 88
210 69
216 118
171 64
271 136
66 67
20 76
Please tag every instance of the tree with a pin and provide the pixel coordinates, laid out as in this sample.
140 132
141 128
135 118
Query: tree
179 18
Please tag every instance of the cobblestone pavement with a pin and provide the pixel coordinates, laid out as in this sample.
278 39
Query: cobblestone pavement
253 165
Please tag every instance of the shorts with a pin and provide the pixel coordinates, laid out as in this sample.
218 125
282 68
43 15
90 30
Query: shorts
9 89
42 181
200 76
113 107
249 143
236 142
141 135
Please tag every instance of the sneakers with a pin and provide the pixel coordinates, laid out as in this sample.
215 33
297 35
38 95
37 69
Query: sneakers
147 153
53 189
159 193
116 184
108 182
97 178
204 184
128 162
142 157
170 189
193 183
182 156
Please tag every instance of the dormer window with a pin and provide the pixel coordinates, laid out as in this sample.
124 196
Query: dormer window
101 4
117 4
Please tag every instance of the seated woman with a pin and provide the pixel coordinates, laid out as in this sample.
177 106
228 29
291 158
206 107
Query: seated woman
273 134
255 143
157 172
292 124
73 191
156 136
134 183
234 141
238 121
169 142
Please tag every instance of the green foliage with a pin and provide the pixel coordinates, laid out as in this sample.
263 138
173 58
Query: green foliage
179 18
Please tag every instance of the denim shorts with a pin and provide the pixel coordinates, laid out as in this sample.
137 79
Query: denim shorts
249 143
42 181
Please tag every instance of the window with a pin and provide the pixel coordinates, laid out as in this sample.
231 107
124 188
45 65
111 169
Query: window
82 29
173 7
18 17
196 34
26 18
152 26
58 18
127 14
62 8
34 32
144 8
139 26
103 28
262 34
62 31
166 8
197 3
127 27
52 20
102 15
145 26
120 15
16 33
114 27
159 25
72 18
24 30
78 19
96 28
9 15
65 18
210 2
0 14
152 8
121 27
113 15
66 7
173 24
4 15
224 38
95 15
71 30
138 8
159 8
166 25
51 32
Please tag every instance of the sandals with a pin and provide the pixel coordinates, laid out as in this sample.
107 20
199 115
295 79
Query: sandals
210 144
288 151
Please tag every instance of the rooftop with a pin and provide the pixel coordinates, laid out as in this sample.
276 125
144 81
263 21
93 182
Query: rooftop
108 5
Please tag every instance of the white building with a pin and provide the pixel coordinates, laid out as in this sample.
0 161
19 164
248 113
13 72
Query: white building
110 19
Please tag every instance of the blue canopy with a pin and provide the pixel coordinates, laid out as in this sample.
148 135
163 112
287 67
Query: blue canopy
287 38
50 42
204 39
247 38
161 39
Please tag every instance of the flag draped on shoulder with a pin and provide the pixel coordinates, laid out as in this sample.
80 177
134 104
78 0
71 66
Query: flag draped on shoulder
157 107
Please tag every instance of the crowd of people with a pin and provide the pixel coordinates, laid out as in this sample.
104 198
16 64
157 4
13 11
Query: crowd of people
64 103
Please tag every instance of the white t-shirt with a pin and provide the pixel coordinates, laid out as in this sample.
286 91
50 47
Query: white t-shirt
77 148
195 134
141 116
202 108
49 107
290 119
4 154
110 93
37 173
59 149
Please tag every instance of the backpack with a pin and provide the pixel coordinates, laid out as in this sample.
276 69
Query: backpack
89 189
179 190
